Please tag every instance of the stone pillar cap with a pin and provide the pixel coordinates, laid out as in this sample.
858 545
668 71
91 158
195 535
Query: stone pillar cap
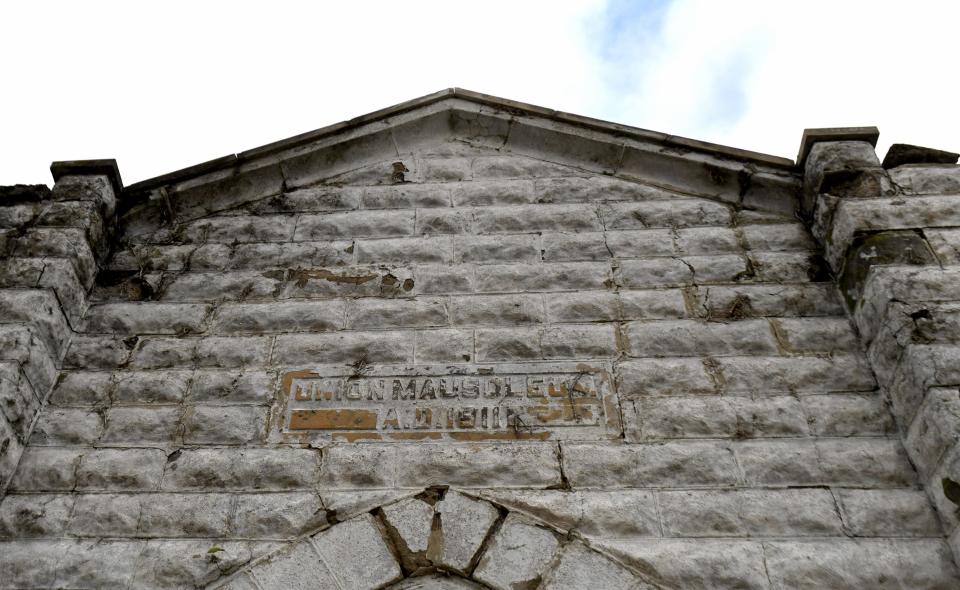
106 168
818 134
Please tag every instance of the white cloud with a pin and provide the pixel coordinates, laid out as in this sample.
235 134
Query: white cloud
802 64
166 85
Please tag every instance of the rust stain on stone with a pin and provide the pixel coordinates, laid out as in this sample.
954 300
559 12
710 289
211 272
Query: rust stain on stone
348 419
508 435
355 436
414 435
301 276
287 382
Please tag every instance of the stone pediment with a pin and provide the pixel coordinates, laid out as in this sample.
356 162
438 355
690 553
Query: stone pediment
401 144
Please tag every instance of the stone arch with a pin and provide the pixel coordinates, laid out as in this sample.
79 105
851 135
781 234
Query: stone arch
438 539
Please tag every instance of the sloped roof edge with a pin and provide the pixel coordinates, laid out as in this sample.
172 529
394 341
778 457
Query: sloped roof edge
232 160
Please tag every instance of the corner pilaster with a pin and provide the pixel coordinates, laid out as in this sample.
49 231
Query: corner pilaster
51 243
891 234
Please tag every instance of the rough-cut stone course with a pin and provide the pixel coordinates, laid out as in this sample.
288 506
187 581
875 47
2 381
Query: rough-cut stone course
469 343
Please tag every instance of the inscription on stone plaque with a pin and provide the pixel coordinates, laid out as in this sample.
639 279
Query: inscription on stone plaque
453 403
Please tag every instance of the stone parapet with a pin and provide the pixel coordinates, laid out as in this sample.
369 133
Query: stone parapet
52 243
889 235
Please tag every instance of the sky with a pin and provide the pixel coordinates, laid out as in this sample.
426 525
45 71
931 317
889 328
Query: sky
164 85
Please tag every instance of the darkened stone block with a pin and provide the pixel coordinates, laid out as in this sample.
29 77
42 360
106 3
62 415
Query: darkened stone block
890 247
902 153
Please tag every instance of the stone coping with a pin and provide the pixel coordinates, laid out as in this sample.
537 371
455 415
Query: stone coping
815 135
588 123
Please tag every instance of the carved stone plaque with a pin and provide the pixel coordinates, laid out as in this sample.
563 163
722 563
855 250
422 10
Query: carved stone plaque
490 402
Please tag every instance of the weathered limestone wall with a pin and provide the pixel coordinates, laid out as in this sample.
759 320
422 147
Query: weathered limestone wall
627 378
50 243
892 233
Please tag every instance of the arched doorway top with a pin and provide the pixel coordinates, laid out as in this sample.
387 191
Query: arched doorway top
438 539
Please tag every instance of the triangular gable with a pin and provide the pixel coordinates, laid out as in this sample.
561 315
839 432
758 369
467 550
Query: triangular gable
487 124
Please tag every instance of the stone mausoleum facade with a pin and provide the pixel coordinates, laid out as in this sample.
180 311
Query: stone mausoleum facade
469 343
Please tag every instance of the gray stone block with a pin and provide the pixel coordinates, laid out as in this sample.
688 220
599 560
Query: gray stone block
224 425
589 306
517 556
489 249
47 469
694 563
231 386
848 372
579 567
376 314
732 302
34 515
584 341
888 513
569 276
106 515
299 568
412 520
444 346
493 193
666 213
536 218
358 554
494 310
82 388
575 247
666 376
344 348
67 426
508 344
241 469
355 224
444 221
186 563
185 515
852 564
427 250
464 523
655 418
848 415
385 465
312 199
289 316
121 469
805 335
589 465
749 513
281 515
696 338
133 387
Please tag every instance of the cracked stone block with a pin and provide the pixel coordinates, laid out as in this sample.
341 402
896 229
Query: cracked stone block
580 567
192 563
412 519
893 513
464 524
700 564
301 568
34 515
747 513
518 555
277 515
847 564
357 554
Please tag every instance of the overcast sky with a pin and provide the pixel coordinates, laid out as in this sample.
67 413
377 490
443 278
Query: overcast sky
164 85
